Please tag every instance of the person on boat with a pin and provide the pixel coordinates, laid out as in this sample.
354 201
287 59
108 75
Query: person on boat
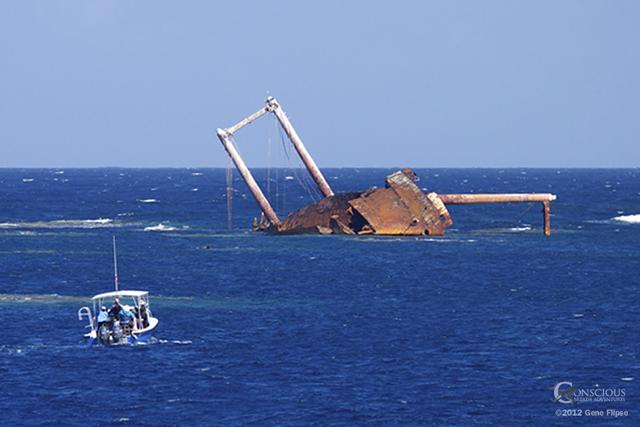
115 309
103 317
137 320
144 315
126 317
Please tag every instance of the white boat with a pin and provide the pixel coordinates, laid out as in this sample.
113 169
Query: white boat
128 320
113 331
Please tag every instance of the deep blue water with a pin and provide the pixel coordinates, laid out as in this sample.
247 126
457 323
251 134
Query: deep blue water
473 328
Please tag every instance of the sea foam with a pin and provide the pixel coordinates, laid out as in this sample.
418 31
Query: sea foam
517 229
160 227
63 223
629 219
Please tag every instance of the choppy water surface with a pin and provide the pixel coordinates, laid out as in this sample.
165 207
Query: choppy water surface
475 327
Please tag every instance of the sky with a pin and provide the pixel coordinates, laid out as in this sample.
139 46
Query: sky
365 83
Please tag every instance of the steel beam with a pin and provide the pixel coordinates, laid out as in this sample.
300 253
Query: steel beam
248 178
459 199
313 169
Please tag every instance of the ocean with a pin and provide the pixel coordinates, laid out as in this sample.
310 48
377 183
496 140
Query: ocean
474 328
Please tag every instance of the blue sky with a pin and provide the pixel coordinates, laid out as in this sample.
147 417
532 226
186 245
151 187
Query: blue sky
366 83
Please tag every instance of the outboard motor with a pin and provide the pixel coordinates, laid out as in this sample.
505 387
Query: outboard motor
104 334
116 331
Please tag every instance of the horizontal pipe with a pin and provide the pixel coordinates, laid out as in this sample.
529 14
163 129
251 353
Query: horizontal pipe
458 199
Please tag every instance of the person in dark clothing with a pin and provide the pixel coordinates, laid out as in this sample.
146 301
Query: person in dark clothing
115 309
144 315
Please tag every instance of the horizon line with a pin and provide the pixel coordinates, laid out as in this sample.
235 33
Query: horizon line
324 167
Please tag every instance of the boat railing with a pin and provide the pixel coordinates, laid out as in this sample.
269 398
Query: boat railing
86 312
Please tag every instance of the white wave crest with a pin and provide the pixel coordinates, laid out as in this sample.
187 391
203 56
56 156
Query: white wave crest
628 219
27 179
518 229
63 223
160 227
97 221
197 174
147 200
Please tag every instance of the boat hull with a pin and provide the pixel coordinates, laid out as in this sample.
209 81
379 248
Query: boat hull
137 338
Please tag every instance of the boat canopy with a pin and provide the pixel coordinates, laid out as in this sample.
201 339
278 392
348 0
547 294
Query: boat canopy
118 294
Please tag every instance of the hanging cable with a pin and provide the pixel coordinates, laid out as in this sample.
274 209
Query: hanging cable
277 180
229 176
269 166
304 180
519 218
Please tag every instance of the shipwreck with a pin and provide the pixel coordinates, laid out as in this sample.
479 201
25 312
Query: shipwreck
400 208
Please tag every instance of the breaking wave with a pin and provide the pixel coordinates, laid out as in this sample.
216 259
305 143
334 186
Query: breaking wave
147 200
518 229
160 227
63 223
628 219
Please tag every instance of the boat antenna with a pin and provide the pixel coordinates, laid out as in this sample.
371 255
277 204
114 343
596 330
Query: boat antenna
115 264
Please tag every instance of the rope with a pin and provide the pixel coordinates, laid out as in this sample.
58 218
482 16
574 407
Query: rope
229 176
277 181
269 167
517 221
304 181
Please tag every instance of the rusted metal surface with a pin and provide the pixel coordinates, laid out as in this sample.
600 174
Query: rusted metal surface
547 218
400 208
326 216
